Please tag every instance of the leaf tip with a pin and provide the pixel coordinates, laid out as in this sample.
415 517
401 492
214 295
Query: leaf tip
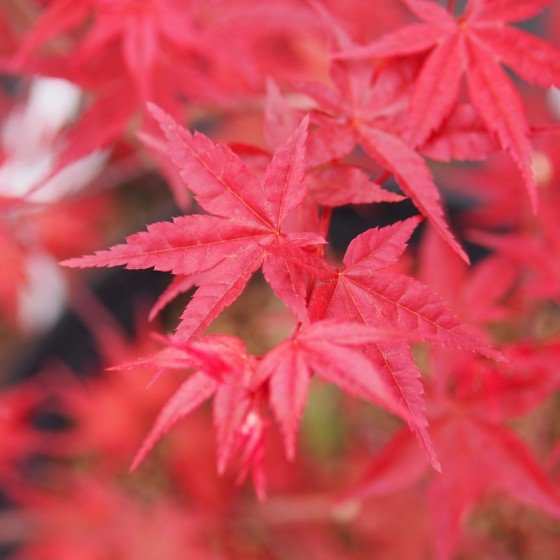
156 111
138 458
73 263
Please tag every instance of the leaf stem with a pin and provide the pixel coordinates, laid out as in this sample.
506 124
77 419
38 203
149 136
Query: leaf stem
378 70
383 178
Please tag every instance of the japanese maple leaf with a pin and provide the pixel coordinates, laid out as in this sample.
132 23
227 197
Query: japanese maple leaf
364 108
238 382
129 52
171 44
222 370
478 454
245 231
144 30
474 44
331 183
332 350
363 292
118 50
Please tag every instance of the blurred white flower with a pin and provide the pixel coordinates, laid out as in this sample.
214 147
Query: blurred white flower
554 101
42 299
30 141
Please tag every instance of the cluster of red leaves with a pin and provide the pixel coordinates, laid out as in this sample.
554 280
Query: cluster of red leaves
317 128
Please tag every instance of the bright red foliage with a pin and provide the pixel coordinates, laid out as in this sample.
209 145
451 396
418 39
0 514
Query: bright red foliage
271 124
474 43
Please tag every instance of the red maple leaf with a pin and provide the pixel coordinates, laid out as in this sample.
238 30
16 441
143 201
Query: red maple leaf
246 231
150 40
474 44
332 183
478 453
363 292
222 370
332 349
365 107
240 383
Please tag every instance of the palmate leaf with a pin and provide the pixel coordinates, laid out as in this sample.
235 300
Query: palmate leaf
477 456
488 42
220 252
143 32
386 300
363 292
218 364
332 350
478 452
362 110
337 184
